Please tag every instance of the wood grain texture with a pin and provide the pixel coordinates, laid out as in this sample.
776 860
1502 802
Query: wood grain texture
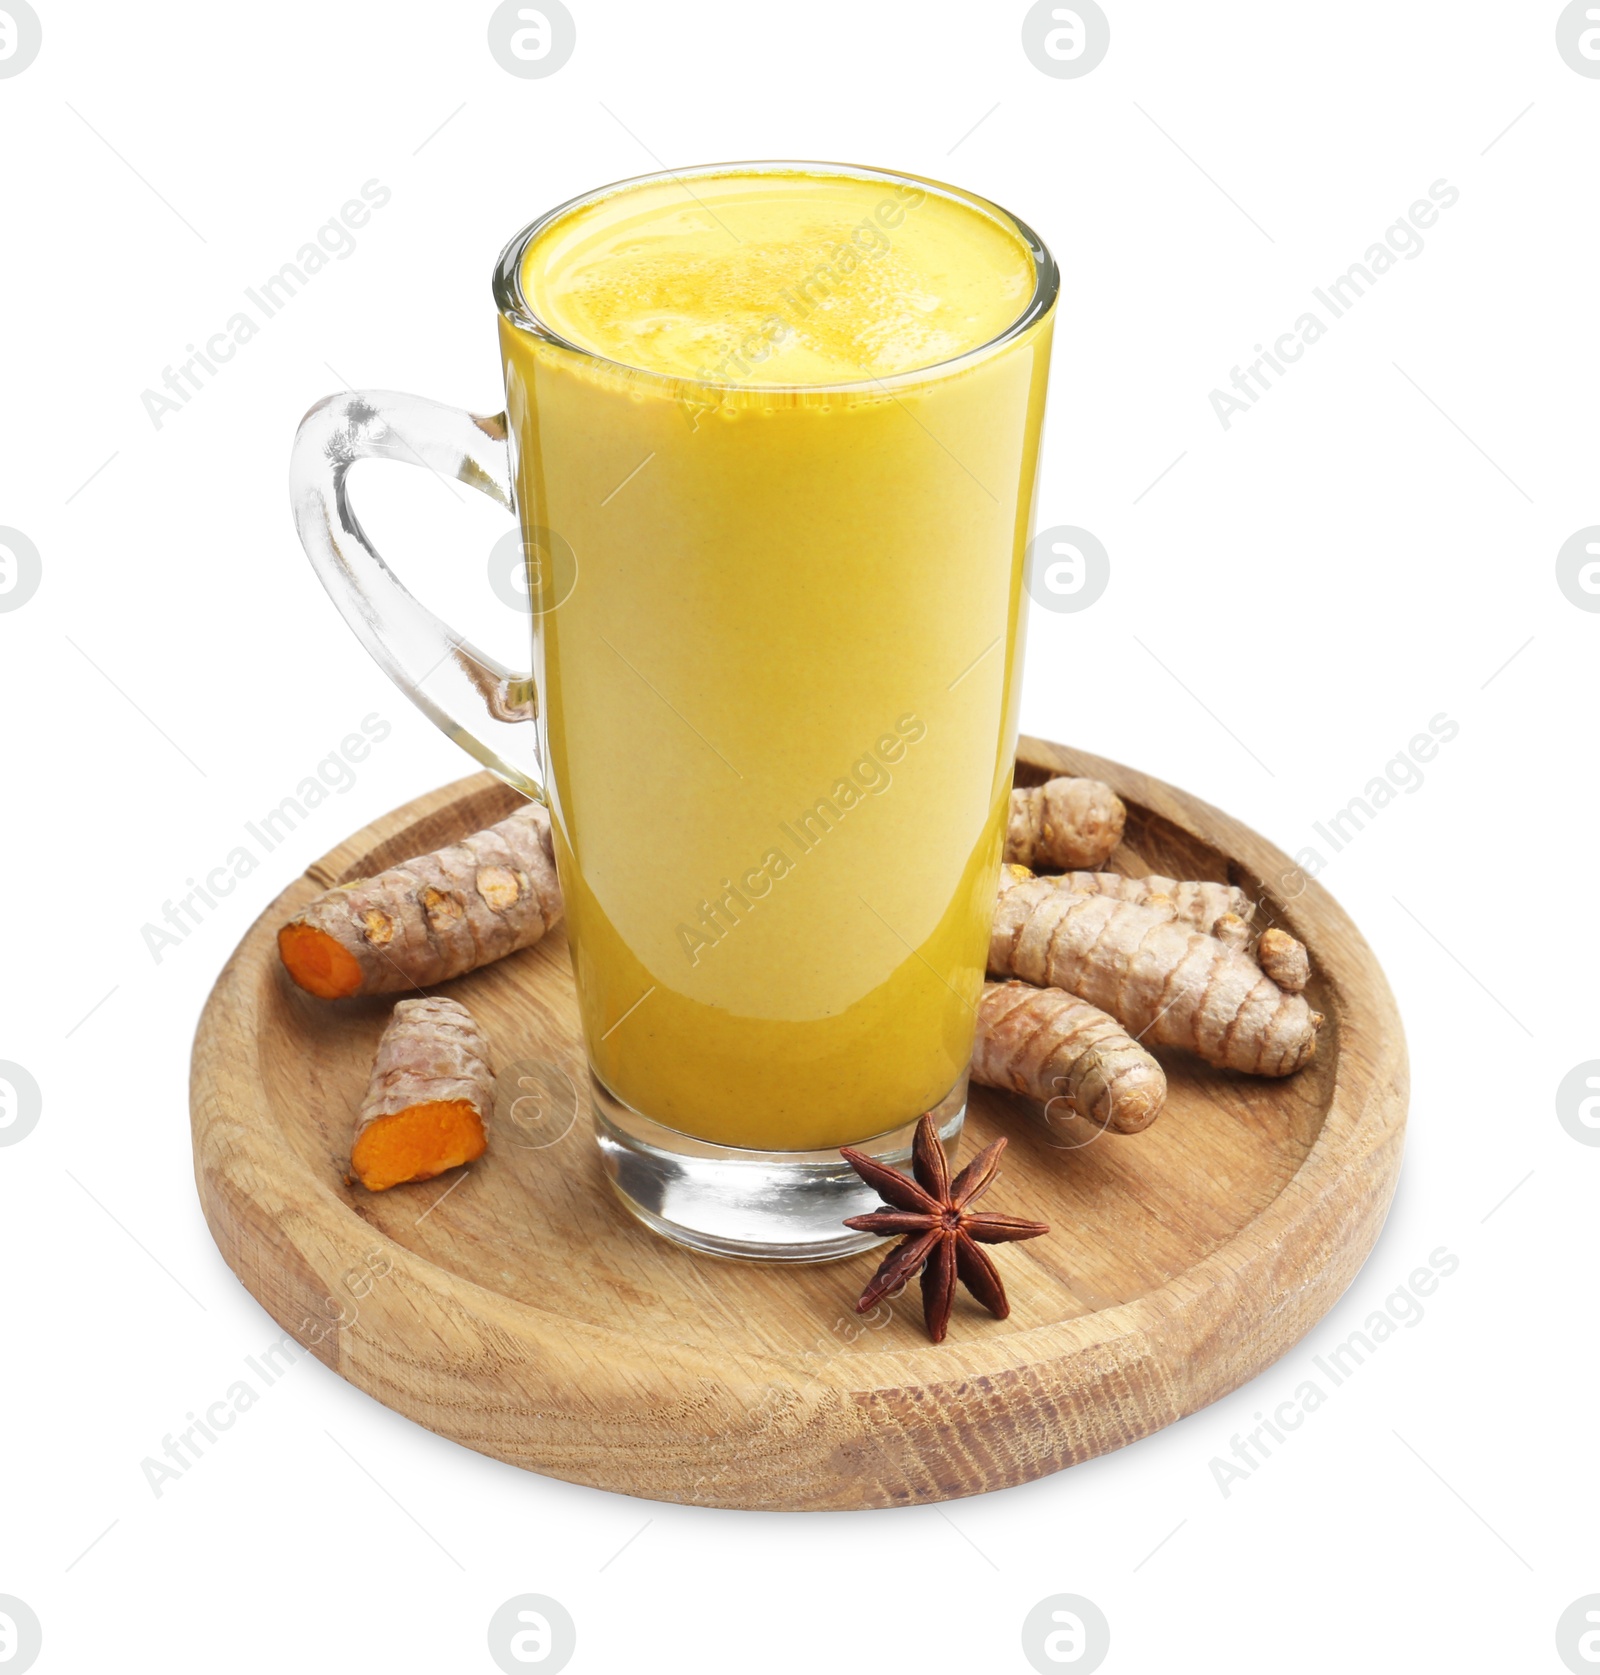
525 1314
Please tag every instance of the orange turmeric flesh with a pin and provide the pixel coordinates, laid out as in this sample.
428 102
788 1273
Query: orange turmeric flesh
417 1143
317 962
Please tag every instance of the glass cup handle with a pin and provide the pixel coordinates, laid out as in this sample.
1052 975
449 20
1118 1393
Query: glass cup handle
469 695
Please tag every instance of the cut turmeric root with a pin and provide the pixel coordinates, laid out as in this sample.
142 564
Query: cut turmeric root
1050 1045
430 918
1166 983
1064 823
429 1098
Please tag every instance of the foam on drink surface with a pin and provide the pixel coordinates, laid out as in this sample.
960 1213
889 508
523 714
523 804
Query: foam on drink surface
778 278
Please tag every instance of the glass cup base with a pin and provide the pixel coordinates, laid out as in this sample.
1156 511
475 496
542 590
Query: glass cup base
753 1206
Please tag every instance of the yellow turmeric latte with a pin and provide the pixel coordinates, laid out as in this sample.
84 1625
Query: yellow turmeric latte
776 471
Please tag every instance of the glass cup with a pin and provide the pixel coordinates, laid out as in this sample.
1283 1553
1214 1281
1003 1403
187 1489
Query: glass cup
777 643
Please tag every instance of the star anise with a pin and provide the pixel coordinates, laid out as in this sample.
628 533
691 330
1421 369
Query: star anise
943 1235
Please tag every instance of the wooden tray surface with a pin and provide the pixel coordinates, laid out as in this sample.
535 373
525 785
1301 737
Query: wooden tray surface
518 1309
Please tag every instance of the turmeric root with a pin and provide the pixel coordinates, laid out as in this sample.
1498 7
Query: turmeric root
1230 929
1284 959
1199 904
1050 1045
430 918
1166 983
428 1102
1223 910
1064 823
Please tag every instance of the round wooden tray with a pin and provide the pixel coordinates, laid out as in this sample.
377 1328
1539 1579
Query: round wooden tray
517 1308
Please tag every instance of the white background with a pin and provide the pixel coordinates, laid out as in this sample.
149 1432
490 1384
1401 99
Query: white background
1288 605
